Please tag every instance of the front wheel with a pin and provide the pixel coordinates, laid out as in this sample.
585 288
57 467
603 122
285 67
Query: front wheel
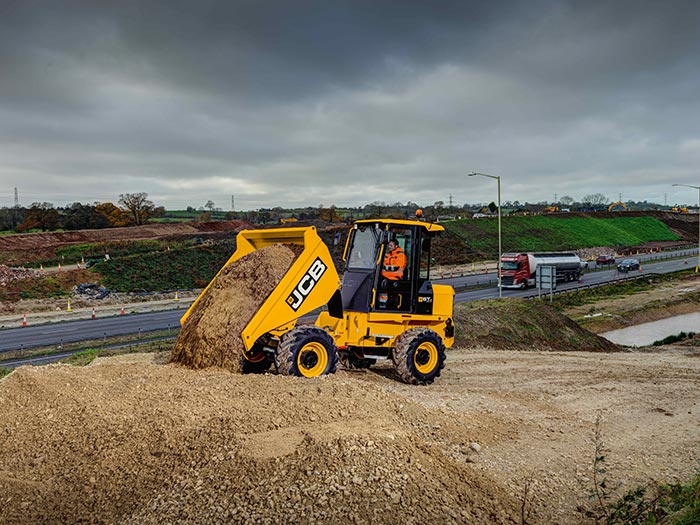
258 366
306 351
419 356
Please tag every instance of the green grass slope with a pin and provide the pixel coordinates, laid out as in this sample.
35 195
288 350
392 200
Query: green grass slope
470 239
186 267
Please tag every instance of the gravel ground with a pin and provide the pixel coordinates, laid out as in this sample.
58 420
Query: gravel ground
134 440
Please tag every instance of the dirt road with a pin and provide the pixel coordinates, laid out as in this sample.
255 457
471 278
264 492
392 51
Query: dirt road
538 413
131 439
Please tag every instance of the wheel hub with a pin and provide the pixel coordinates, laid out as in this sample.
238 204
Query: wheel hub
309 359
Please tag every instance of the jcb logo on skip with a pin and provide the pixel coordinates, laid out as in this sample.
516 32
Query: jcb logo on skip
306 284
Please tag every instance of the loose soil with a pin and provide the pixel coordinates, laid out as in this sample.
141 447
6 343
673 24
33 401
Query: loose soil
135 440
211 336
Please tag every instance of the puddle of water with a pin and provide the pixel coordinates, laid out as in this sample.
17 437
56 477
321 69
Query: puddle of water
646 333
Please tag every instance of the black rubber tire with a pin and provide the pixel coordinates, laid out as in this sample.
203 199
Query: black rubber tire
306 351
255 367
419 356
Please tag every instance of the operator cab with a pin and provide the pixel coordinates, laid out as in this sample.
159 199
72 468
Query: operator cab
367 289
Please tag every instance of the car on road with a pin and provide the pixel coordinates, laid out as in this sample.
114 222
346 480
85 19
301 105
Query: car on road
604 260
628 265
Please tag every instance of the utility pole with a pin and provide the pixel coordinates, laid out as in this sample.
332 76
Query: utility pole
555 199
450 201
16 199
233 207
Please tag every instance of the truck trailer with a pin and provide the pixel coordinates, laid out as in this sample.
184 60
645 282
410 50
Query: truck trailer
518 269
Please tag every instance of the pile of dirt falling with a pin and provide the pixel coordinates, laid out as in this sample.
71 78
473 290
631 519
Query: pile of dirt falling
211 335
126 442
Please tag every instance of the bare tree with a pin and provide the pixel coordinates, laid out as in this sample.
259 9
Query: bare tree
566 200
138 206
596 199
210 205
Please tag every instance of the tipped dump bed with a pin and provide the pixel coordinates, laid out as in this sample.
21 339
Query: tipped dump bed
308 284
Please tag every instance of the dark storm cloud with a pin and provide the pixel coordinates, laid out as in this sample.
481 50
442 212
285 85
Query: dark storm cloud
346 102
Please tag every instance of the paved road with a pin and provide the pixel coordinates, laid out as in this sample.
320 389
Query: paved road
92 329
88 329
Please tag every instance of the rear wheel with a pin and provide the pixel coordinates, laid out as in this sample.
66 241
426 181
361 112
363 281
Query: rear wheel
419 356
306 351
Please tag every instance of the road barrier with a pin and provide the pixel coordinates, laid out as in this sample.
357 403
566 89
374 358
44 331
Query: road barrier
598 285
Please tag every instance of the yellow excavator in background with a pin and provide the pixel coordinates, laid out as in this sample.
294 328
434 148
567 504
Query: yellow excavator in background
679 210
368 317
618 204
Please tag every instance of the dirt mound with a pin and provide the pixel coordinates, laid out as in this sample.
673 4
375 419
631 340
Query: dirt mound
148 443
523 325
212 334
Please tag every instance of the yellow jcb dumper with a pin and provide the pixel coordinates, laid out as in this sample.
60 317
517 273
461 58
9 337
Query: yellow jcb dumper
405 318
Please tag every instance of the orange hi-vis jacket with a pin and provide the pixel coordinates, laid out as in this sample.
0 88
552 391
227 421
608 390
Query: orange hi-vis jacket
394 264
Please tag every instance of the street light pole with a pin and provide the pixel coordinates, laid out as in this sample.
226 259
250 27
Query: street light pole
500 247
697 267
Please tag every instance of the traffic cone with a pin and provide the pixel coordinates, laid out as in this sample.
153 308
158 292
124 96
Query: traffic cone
24 320
640 268
82 261
93 314
69 309
59 267
177 298
41 268
122 312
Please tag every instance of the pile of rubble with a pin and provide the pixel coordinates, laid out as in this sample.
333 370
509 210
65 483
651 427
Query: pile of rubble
148 443
91 290
8 274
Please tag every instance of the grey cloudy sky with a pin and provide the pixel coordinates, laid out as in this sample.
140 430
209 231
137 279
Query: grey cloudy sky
297 103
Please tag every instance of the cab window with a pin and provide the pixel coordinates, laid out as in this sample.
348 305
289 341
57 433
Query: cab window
363 250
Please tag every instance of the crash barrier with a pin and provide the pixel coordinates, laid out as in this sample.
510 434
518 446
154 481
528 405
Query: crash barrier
594 285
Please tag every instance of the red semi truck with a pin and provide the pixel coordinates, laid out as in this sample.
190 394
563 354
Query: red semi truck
518 269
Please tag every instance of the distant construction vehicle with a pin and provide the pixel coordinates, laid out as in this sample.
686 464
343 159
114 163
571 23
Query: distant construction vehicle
618 204
679 210
403 317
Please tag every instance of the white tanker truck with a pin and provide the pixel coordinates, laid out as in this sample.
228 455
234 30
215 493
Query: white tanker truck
518 269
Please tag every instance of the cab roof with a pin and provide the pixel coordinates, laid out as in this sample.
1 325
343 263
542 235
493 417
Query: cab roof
431 227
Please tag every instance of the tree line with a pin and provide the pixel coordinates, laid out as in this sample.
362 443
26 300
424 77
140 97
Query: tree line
133 209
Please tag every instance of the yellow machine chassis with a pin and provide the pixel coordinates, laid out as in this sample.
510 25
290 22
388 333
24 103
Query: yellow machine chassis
380 329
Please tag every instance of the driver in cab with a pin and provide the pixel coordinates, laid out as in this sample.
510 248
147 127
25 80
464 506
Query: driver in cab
394 262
